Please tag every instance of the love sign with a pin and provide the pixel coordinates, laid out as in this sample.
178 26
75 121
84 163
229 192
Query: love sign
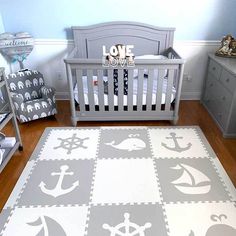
118 54
120 51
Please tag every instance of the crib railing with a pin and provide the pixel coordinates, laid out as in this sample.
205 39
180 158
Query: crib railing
153 98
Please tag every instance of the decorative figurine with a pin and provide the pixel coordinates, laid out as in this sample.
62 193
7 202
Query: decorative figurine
228 47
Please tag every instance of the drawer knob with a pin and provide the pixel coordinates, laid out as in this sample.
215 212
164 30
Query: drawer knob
223 98
227 80
213 68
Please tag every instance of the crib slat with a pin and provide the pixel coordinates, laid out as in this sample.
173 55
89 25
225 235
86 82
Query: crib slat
161 74
140 90
120 89
130 89
100 90
110 90
169 89
90 90
149 89
80 89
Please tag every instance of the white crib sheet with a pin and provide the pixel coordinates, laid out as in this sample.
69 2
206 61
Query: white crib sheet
135 91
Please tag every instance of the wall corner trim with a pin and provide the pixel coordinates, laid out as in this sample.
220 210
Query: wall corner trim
44 41
40 41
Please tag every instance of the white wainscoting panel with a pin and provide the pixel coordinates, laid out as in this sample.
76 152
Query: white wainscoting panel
195 53
48 54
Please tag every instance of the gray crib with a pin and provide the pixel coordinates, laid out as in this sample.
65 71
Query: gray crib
153 87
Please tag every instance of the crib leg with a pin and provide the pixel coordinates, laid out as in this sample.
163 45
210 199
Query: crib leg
175 121
74 121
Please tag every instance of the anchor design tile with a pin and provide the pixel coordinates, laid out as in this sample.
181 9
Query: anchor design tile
206 219
58 190
192 179
59 182
70 144
48 221
176 143
140 220
124 143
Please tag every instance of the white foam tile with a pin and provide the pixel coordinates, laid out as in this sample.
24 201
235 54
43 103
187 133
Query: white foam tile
125 181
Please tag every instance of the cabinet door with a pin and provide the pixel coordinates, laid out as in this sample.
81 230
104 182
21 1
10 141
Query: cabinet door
228 80
210 98
224 99
215 69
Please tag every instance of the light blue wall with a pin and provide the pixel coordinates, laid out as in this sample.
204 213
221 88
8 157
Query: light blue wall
193 19
1 24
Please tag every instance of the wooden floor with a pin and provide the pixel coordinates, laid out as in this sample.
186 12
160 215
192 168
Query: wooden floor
191 113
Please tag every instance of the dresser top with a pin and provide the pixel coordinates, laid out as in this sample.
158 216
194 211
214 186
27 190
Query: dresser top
228 63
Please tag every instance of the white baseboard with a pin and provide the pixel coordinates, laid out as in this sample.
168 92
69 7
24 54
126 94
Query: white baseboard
62 96
190 96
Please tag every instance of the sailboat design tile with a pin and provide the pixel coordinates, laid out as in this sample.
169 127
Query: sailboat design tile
60 221
190 180
176 143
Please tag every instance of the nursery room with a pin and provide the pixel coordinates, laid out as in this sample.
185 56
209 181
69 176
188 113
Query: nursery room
118 118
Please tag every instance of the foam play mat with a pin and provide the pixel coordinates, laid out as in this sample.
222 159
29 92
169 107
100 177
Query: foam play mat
122 181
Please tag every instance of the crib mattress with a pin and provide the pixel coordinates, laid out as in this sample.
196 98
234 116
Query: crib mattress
125 97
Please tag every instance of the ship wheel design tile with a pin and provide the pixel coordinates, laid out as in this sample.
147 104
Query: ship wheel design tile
130 228
127 220
70 144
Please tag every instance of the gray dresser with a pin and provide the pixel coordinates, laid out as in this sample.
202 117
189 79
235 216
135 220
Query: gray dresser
219 95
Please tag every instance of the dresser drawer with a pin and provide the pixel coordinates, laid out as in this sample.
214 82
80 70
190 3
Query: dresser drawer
218 100
225 99
222 118
211 82
210 98
228 80
215 69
